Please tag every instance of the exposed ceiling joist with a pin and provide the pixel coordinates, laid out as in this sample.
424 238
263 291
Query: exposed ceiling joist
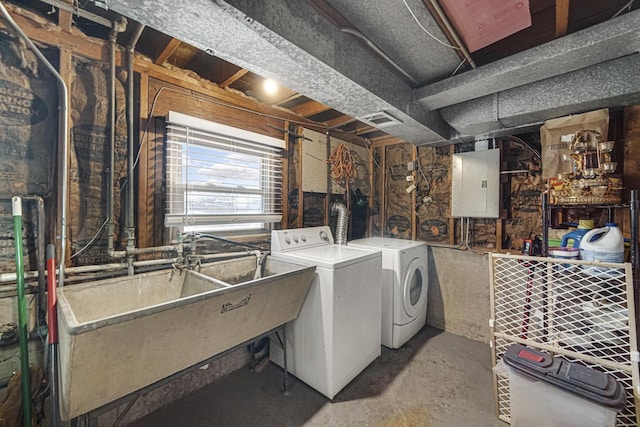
288 41
340 121
259 36
167 51
288 98
310 108
236 76
363 129
562 17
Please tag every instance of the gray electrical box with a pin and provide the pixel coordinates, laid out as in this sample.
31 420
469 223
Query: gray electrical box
475 185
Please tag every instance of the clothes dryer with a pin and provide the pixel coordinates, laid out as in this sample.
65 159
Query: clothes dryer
404 286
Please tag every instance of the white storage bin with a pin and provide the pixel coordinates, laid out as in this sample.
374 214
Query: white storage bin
550 392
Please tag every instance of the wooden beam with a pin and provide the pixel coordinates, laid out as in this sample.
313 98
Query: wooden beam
65 18
383 191
67 71
384 141
299 220
167 51
340 121
288 98
310 108
414 197
562 17
41 31
363 130
452 220
236 76
145 184
284 222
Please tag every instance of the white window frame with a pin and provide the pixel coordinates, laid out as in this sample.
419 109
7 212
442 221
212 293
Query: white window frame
184 132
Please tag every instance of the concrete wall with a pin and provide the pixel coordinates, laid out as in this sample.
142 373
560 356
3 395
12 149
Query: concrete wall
459 292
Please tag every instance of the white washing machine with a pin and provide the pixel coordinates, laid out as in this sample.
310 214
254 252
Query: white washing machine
332 339
404 286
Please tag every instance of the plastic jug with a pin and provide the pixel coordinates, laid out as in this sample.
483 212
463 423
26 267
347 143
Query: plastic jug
602 244
576 235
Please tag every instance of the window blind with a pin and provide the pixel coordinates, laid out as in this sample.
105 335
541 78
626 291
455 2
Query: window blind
219 177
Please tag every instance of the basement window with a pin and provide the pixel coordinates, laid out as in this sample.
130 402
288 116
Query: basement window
220 178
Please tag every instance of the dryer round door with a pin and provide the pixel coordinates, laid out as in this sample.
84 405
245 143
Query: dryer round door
414 288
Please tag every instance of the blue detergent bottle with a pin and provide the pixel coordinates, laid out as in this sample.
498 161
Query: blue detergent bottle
575 236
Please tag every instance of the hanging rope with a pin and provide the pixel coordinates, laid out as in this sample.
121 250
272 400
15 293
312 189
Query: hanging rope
342 164
342 167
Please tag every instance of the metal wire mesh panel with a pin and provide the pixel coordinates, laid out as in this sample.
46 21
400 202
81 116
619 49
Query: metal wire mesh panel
577 310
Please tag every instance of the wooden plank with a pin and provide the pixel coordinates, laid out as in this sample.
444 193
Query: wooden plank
299 221
67 72
562 17
65 18
452 221
156 156
364 130
204 87
310 108
40 30
340 121
386 141
285 180
372 181
167 51
288 98
414 195
503 211
237 75
383 191
145 215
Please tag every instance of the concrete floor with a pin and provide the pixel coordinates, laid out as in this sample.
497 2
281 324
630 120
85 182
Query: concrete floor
436 379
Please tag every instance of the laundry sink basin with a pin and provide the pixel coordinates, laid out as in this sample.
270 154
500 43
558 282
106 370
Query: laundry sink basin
119 335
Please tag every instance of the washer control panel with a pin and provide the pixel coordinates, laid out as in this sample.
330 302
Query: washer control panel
299 238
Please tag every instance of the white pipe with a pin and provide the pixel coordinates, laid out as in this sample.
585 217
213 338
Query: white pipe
63 141
452 31
381 53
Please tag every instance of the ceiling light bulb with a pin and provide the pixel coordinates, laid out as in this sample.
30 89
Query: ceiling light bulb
270 86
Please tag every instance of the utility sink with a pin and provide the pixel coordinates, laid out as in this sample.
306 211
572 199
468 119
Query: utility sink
119 335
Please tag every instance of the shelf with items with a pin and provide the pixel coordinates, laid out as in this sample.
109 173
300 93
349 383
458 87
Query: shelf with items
587 173
548 220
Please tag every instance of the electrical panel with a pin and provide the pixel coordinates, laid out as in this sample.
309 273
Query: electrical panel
475 185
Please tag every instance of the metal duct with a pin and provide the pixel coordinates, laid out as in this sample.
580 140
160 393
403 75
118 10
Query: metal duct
600 43
342 228
612 84
285 40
